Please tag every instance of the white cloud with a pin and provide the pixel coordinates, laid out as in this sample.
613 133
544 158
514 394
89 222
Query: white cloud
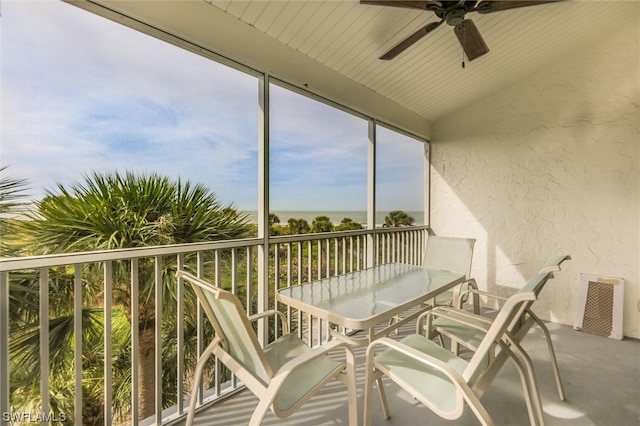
400 172
317 149
82 94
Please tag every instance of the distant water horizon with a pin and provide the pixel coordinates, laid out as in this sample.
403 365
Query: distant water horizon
335 216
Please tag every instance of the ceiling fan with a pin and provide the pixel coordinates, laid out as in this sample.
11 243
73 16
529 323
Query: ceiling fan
453 12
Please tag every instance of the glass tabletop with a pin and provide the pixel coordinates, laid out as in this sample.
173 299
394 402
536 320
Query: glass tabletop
361 299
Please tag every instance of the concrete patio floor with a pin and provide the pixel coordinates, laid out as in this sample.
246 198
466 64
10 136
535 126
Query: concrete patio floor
601 379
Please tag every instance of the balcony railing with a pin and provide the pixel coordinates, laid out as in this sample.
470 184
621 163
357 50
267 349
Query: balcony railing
127 278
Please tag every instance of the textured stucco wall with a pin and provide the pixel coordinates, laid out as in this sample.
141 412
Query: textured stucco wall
548 167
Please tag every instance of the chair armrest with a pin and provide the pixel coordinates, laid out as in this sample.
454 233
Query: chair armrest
460 316
554 266
270 312
459 295
419 356
487 294
476 298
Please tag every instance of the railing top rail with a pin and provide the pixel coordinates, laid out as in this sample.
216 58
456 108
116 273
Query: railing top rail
394 229
341 234
50 260
317 236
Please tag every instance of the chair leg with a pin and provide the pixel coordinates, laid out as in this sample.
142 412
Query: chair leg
368 388
478 409
196 380
526 387
552 355
455 347
383 398
352 390
535 393
371 374
260 411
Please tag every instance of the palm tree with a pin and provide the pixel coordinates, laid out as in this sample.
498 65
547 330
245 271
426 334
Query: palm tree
12 193
321 224
298 226
348 224
398 218
112 211
273 219
274 222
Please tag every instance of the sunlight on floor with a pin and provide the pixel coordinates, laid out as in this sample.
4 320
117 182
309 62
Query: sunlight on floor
564 411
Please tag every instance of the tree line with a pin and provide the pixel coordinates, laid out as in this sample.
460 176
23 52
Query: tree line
323 223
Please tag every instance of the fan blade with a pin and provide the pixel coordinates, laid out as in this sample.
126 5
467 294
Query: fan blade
409 41
470 39
423 5
489 6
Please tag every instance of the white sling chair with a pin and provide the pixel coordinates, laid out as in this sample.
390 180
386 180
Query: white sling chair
448 254
284 374
439 324
442 380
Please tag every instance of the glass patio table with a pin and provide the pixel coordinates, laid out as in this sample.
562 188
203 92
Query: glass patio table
361 300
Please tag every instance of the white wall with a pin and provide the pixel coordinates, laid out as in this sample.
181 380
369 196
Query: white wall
548 167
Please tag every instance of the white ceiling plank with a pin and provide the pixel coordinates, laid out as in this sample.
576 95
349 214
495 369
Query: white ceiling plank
237 7
253 11
222 4
350 34
275 11
315 22
287 18
299 22
324 30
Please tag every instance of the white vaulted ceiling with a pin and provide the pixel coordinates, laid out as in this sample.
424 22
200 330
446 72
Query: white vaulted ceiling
428 78
340 41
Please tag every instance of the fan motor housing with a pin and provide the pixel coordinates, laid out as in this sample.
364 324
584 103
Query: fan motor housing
454 17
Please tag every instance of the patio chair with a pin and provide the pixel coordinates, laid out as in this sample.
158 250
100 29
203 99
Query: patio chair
442 380
284 374
449 254
439 323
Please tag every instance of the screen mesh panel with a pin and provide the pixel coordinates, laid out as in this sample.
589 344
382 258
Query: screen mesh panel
598 313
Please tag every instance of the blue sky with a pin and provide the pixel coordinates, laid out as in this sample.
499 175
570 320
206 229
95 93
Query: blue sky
83 94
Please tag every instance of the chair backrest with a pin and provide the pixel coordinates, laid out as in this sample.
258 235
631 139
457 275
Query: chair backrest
554 265
524 320
232 327
508 314
449 254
